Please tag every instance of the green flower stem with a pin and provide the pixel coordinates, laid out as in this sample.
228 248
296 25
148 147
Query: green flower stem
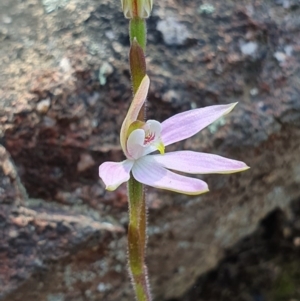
137 240
137 229
138 31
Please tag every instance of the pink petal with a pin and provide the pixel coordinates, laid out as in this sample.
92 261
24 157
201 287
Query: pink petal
147 171
184 125
114 174
199 163
134 109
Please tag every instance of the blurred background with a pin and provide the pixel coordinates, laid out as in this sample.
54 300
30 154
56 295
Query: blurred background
64 92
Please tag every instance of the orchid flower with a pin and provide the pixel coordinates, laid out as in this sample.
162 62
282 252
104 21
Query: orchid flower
140 139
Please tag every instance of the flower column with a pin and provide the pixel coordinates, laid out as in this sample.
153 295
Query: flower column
137 11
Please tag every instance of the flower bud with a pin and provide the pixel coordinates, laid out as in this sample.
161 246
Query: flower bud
137 8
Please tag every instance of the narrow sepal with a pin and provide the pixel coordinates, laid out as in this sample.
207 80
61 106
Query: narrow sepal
147 171
133 112
199 163
186 124
113 174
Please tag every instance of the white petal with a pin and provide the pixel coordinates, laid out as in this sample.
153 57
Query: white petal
135 144
147 171
114 174
184 125
199 163
154 127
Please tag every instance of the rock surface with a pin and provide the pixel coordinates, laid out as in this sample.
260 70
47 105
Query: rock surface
45 248
60 117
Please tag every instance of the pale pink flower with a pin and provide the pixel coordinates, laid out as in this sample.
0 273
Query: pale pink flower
140 139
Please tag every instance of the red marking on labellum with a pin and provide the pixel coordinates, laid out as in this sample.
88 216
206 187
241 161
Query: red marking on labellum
149 138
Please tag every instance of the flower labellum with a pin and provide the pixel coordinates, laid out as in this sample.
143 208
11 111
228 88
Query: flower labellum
140 139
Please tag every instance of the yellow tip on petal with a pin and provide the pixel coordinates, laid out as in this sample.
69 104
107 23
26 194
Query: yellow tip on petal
231 108
246 168
110 188
235 171
192 193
